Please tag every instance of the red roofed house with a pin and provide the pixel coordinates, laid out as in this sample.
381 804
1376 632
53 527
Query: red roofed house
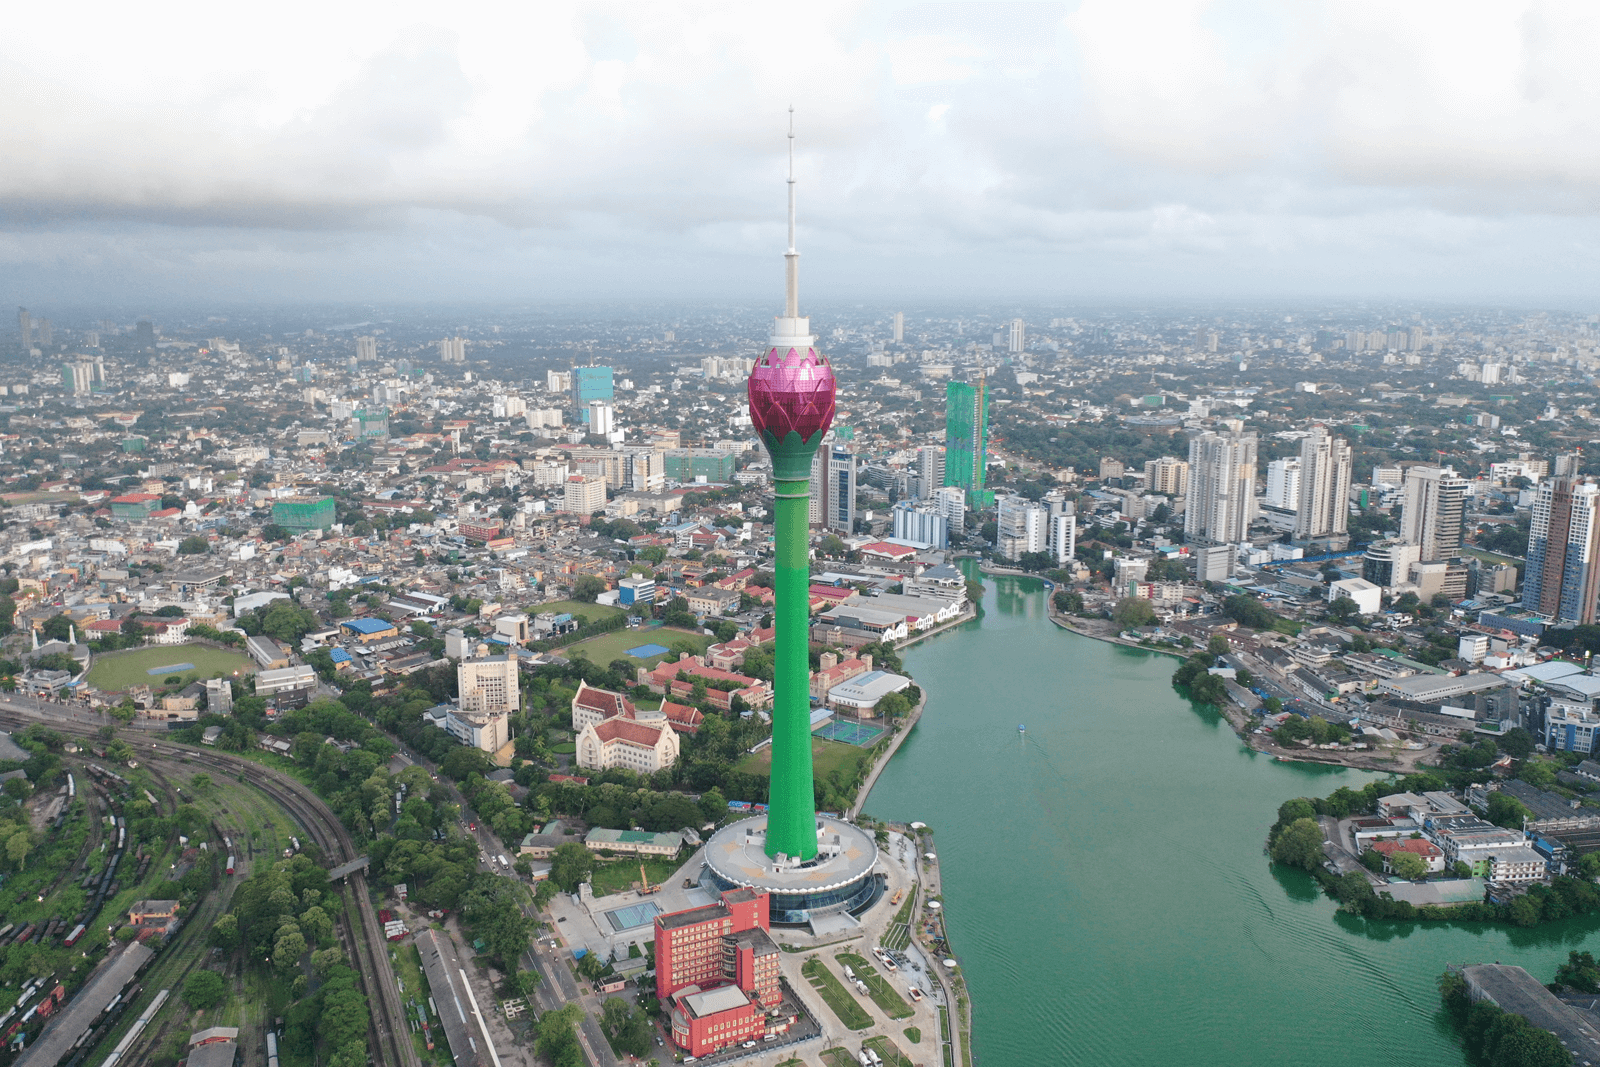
836 672
885 550
637 746
591 707
1430 852
831 596
664 680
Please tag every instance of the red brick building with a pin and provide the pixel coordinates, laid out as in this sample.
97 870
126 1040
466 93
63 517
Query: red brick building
717 970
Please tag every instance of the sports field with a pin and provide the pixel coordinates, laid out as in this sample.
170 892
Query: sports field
851 733
825 756
124 670
592 612
615 645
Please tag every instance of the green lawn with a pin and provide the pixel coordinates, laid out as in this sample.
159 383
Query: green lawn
878 988
607 647
623 875
825 757
913 1035
843 1002
888 1051
592 612
125 670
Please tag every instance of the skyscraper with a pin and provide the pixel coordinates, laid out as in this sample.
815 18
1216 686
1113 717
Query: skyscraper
25 324
836 490
1022 525
966 433
451 350
590 383
1015 336
1562 579
1283 484
899 326
1063 532
1222 487
1325 463
367 348
1430 518
930 470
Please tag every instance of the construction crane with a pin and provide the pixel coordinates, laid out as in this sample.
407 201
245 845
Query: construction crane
645 888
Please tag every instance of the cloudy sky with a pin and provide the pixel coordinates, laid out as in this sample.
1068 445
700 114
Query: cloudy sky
1051 152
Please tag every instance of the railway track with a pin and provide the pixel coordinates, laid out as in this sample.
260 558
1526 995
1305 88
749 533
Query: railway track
390 1033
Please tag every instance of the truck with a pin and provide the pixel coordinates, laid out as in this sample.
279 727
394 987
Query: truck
505 862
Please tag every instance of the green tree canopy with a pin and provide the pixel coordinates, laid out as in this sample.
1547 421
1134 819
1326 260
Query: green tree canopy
1300 845
204 989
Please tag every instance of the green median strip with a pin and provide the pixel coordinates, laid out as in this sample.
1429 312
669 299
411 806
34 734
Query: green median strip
882 994
839 999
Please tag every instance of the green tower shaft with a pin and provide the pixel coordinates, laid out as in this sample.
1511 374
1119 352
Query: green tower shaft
791 809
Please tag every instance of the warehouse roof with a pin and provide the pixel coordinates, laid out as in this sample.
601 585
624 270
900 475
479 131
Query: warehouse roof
73 1020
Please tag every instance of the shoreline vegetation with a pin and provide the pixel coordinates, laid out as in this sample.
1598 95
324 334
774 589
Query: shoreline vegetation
1494 1037
1296 840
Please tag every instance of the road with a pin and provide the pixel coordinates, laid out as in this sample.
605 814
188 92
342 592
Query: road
558 987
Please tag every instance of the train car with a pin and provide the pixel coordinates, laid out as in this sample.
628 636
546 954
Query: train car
72 938
72 788
230 864
272 1049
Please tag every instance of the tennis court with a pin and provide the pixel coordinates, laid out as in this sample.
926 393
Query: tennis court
633 915
646 651
851 733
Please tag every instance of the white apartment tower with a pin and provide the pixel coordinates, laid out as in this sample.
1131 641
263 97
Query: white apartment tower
899 326
367 349
453 350
952 503
1015 336
1430 518
1283 484
1222 487
930 470
1325 463
584 496
1023 526
1062 540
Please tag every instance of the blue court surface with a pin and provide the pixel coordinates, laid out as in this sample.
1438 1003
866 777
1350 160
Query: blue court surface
632 916
851 733
171 668
646 651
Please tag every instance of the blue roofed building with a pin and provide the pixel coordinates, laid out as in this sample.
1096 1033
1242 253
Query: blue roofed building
368 630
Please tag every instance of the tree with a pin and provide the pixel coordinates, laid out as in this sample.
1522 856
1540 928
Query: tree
893 706
224 932
587 588
194 546
1516 742
1506 810
1408 865
287 949
1461 869
17 847
324 960
1134 611
831 546
1247 611
1300 845
528 981
1343 609
204 989
570 866
1067 602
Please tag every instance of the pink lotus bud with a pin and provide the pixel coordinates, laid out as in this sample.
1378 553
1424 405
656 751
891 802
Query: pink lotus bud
792 392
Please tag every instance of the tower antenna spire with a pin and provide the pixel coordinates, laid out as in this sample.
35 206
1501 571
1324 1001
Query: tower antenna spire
791 258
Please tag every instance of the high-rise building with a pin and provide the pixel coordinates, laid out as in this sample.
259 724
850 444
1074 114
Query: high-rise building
42 332
1016 336
1283 484
966 432
838 488
1023 526
367 348
647 470
602 417
899 326
1325 463
920 522
1062 539
25 324
451 350
1567 464
1430 518
952 501
144 334
590 383
930 470
1222 487
584 495
1169 475
1562 578
488 684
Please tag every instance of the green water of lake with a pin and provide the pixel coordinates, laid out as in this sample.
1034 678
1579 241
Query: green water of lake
1104 878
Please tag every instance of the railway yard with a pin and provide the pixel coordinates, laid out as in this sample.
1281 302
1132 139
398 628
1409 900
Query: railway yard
248 814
